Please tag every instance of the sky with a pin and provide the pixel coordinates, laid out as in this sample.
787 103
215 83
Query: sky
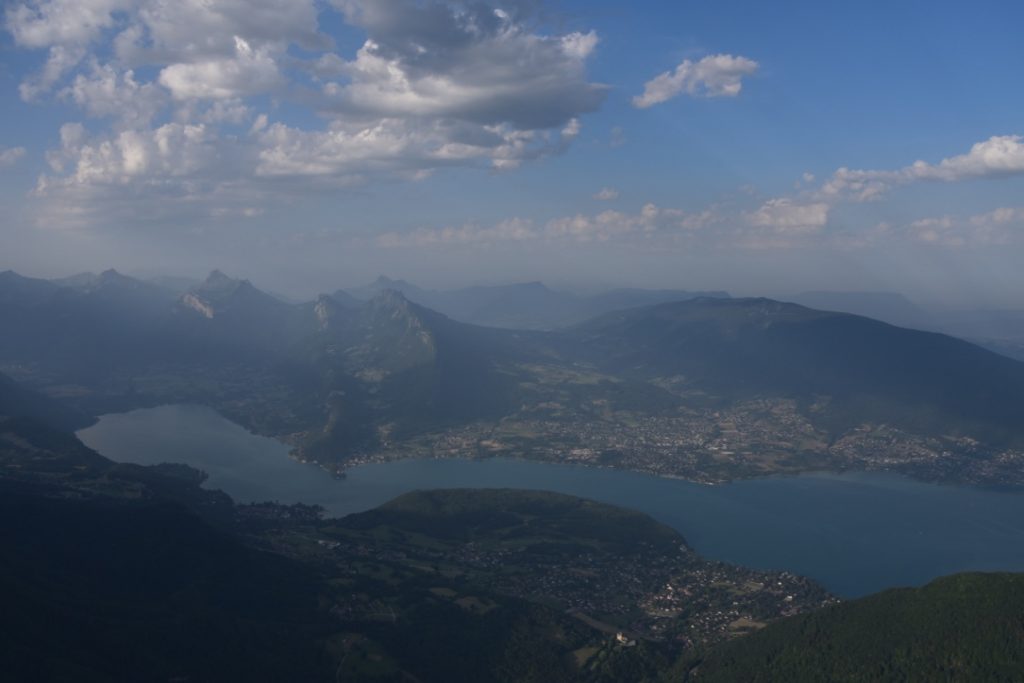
761 148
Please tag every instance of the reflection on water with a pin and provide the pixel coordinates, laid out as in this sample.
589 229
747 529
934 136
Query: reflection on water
855 533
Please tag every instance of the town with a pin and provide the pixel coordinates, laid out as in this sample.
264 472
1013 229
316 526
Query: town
754 438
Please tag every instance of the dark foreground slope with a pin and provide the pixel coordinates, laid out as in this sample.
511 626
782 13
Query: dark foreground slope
967 627
116 572
124 573
106 590
19 401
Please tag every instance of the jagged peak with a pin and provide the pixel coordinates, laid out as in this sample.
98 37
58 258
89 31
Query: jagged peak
217 276
218 282
326 309
111 276
384 282
390 298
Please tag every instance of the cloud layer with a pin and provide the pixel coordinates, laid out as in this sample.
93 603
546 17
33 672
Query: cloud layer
180 100
802 220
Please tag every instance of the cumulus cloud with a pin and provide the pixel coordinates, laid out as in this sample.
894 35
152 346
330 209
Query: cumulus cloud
606 194
462 60
787 216
247 72
11 156
132 177
194 31
804 217
999 156
435 84
713 76
66 28
106 92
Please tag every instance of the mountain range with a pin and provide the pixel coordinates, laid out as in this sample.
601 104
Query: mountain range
529 305
710 388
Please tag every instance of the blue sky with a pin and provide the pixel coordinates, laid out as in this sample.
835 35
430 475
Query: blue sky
311 144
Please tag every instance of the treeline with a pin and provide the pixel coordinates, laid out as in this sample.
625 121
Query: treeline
967 627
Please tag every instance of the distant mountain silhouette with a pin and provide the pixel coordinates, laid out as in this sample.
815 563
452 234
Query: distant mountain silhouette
339 376
528 305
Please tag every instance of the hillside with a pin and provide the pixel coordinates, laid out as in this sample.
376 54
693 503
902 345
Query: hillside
960 628
19 401
868 370
109 590
890 307
497 516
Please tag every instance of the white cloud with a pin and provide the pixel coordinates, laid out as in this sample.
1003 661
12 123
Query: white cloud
248 72
786 216
11 156
607 194
435 84
65 27
109 93
172 150
999 156
350 153
713 76
197 31
61 22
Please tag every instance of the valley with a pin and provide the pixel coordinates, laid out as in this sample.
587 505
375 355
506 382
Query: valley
706 389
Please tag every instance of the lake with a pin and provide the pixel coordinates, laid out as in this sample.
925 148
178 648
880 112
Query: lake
854 533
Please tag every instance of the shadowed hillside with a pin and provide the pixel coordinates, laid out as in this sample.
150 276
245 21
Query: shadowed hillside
965 628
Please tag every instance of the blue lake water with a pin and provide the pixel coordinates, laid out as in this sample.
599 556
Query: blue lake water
855 533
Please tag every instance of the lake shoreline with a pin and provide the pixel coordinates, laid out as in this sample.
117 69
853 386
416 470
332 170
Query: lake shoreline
855 533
